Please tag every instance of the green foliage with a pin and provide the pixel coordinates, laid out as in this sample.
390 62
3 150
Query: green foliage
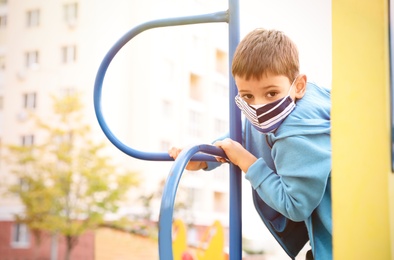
67 184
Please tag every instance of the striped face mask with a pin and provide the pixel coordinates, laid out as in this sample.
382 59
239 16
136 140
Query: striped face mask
268 117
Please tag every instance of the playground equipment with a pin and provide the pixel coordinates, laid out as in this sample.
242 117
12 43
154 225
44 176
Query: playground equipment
231 16
362 178
179 240
360 68
279 226
211 245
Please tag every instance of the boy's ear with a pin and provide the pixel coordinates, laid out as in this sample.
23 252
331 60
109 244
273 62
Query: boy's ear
300 86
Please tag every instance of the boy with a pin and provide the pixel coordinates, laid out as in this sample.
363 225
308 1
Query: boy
286 152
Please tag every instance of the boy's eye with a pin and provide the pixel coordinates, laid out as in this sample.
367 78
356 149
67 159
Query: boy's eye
272 94
247 96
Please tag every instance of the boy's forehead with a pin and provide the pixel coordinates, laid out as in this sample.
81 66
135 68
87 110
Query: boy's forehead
265 79
269 76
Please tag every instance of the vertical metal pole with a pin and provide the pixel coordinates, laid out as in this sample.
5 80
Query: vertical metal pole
235 240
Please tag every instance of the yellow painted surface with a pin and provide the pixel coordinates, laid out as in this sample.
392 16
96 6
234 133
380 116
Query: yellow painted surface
361 180
391 200
179 241
212 243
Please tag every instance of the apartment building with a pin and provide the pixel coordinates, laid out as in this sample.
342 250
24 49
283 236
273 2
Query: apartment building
168 86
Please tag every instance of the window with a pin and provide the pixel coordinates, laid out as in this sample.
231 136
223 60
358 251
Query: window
195 123
69 91
164 145
220 176
70 13
1 151
33 18
23 185
220 126
27 140
166 108
221 62
220 202
65 138
20 235
168 72
69 54
198 48
31 59
29 100
195 87
221 90
2 62
3 21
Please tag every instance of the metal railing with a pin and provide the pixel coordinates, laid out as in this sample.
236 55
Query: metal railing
199 152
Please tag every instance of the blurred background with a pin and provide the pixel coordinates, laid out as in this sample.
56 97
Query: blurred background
167 87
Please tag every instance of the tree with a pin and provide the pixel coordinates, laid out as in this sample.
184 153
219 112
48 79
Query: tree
67 184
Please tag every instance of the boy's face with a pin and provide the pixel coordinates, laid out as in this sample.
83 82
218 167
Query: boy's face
269 88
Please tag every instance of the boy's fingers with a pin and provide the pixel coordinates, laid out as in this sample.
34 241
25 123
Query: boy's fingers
220 159
174 152
221 143
218 144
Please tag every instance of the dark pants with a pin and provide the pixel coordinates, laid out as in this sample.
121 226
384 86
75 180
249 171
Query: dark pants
309 255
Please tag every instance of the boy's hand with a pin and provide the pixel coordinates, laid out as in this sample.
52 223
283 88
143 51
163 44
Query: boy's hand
192 165
236 153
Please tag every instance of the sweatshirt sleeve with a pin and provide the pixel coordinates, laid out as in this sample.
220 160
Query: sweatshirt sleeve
212 165
303 165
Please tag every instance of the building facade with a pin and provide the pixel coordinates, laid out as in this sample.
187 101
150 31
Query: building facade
178 75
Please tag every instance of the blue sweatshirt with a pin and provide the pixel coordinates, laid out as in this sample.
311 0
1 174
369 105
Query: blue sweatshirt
293 170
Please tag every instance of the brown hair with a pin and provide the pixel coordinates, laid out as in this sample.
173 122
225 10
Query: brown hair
265 51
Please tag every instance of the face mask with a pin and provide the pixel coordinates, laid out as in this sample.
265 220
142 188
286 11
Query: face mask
268 117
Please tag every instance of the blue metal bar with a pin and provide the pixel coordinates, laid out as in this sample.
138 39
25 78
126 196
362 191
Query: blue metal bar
168 197
170 188
169 193
235 240
151 156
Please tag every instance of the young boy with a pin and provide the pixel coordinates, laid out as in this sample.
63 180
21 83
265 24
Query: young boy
286 151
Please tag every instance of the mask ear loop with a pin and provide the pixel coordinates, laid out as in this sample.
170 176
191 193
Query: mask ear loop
292 84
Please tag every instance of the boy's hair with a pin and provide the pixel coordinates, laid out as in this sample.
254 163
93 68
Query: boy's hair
265 51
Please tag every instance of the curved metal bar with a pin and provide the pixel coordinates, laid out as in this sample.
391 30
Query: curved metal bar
169 193
165 236
206 18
